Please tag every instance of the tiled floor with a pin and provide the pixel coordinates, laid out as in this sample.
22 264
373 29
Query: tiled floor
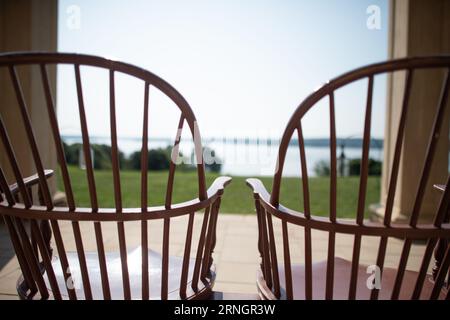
236 255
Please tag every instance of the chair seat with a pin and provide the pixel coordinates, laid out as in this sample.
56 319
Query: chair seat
113 263
342 269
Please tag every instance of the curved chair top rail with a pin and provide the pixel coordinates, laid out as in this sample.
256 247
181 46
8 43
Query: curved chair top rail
42 59
23 58
294 124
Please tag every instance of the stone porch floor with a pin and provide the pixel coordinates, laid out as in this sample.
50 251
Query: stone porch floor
236 255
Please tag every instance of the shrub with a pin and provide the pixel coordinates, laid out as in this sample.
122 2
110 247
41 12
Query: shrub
212 162
322 168
101 155
374 167
71 152
158 159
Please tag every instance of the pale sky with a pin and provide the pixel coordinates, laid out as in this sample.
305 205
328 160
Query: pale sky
243 66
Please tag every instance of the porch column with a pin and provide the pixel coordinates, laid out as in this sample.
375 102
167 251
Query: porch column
27 25
416 28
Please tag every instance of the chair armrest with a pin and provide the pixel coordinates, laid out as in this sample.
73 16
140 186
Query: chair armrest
259 190
30 181
439 187
218 186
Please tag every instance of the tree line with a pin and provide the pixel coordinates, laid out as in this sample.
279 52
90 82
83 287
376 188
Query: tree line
158 159
322 168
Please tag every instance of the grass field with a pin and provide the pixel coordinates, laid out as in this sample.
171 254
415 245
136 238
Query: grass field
237 198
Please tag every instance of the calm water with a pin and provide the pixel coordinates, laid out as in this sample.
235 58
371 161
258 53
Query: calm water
240 159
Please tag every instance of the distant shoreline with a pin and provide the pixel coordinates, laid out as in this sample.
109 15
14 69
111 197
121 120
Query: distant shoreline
311 142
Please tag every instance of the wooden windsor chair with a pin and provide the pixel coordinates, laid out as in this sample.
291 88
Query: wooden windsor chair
337 278
128 273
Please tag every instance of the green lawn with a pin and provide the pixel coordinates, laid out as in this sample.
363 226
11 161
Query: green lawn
237 198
